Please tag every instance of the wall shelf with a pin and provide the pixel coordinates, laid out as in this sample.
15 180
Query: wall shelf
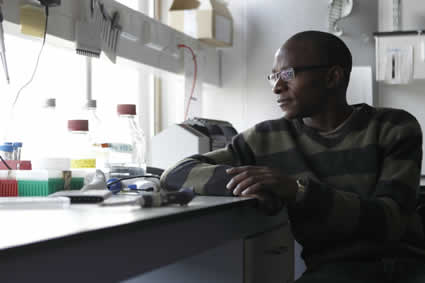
61 31
399 33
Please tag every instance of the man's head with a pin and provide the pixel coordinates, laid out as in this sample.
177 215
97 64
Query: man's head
310 75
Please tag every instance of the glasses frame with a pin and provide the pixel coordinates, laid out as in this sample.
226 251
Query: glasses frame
288 74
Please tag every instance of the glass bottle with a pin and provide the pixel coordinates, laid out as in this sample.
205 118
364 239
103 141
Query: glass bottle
79 145
127 145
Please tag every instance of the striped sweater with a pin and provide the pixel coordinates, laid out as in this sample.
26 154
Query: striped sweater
364 181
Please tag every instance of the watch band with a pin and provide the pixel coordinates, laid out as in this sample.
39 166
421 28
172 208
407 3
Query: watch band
302 189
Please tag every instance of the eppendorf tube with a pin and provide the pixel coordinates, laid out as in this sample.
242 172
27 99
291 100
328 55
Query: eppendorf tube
17 149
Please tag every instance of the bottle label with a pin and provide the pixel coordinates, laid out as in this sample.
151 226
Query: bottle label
83 163
121 147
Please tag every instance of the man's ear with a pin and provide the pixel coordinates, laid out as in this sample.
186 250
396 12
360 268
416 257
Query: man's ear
335 77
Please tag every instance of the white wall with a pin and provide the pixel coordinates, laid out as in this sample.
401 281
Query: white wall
269 26
412 15
260 28
410 97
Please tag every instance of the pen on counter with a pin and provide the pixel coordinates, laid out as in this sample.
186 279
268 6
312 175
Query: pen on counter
2 48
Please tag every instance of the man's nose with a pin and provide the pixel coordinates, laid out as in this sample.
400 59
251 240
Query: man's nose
279 86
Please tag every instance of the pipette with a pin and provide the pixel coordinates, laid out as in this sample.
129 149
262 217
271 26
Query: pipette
2 48
154 199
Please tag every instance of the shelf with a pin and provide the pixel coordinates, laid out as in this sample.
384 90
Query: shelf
143 40
399 32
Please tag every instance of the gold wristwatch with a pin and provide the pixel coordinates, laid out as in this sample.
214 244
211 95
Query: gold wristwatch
302 188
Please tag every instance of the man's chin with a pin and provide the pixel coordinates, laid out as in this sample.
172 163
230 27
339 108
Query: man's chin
289 115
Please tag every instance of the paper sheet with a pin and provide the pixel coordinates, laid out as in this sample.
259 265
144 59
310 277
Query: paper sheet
398 65
33 20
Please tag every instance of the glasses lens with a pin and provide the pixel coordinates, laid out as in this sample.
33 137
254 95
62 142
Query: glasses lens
287 75
272 78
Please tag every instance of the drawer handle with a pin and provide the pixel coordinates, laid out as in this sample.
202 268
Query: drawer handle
277 251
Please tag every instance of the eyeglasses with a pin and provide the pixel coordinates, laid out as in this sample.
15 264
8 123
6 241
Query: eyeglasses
289 74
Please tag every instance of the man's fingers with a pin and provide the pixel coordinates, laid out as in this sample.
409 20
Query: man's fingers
236 170
236 180
251 184
245 183
245 176
240 169
244 172
251 190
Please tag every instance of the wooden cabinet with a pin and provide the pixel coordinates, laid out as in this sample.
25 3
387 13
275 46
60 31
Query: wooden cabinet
269 257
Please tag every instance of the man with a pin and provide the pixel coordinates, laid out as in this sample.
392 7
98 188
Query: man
347 174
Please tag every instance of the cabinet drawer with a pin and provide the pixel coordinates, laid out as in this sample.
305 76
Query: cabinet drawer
269 257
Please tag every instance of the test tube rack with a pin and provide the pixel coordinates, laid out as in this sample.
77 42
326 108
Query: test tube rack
16 164
34 182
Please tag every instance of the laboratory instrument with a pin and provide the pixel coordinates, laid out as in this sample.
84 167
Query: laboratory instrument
194 136
153 199
3 49
148 183
88 196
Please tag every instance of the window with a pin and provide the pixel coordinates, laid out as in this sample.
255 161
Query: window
61 74
130 3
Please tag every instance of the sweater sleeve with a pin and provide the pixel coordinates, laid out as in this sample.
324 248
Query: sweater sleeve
206 173
328 214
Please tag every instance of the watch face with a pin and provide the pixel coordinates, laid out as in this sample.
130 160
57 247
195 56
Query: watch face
302 182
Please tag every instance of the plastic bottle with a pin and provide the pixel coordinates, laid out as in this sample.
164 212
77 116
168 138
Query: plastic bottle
79 145
126 145
47 131
97 136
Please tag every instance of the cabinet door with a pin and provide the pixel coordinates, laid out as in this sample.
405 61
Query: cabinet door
269 257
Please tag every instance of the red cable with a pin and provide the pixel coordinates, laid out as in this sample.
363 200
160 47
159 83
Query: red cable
194 77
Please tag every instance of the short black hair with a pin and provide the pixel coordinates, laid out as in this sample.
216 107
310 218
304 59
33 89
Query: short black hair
332 50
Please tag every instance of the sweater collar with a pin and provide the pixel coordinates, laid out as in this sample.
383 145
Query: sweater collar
358 118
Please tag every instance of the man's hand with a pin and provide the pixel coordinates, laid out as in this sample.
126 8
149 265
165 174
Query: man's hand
250 180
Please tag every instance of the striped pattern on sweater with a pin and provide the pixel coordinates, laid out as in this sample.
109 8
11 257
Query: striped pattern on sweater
364 179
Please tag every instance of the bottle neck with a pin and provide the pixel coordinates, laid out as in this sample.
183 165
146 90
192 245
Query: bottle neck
79 132
127 116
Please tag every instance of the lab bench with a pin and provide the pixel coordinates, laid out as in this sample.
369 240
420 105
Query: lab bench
213 239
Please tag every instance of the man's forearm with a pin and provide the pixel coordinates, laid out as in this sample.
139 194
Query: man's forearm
200 173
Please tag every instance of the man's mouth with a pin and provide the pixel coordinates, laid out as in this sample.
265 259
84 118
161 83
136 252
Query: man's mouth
283 101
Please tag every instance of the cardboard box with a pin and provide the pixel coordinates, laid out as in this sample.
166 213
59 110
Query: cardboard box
207 20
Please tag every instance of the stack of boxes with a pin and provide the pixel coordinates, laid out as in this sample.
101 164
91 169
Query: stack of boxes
210 21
